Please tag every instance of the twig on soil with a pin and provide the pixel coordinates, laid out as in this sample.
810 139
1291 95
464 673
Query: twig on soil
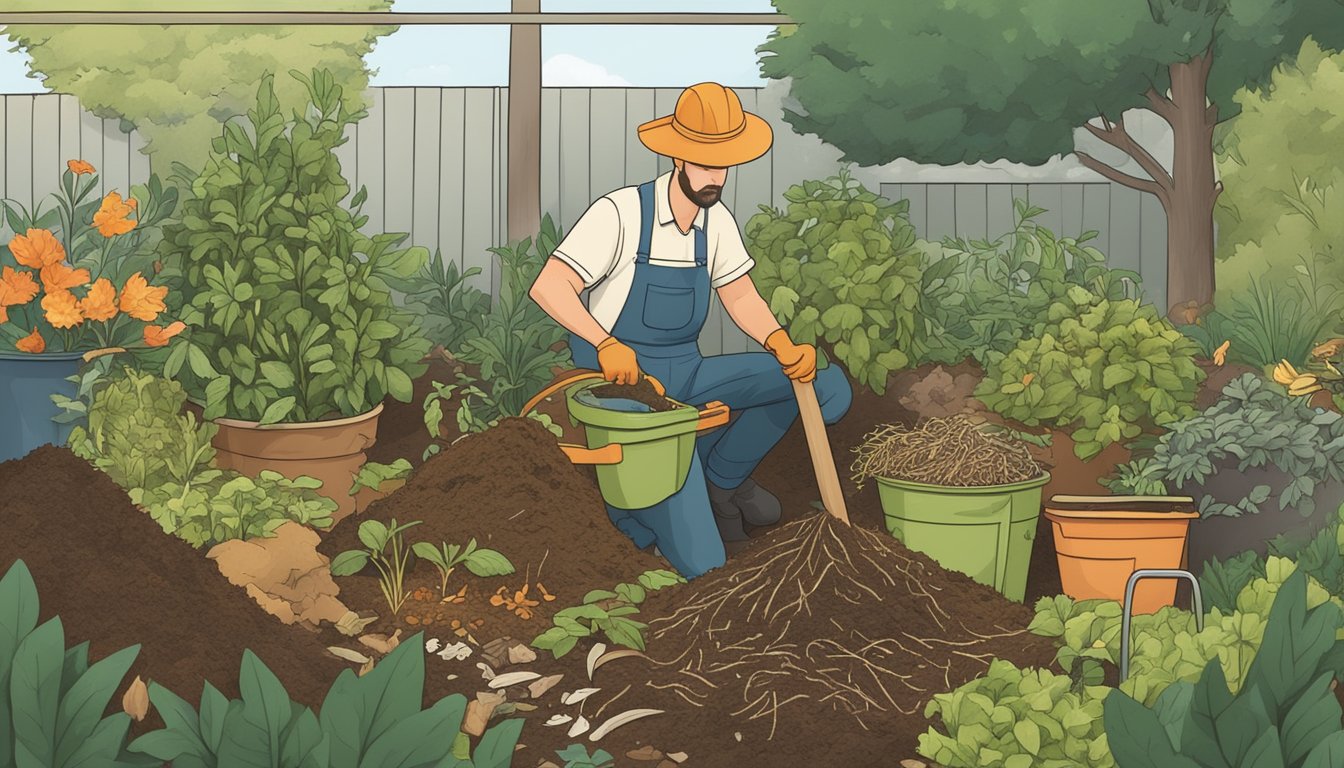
609 701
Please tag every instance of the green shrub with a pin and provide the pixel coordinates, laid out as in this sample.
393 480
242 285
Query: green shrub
1017 718
840 266
607 612
979 297
1271 323
138 434
1106 369
1285 714
289 312
1252 425
450 309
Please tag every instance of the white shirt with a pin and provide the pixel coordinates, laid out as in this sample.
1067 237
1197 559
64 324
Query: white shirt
601 246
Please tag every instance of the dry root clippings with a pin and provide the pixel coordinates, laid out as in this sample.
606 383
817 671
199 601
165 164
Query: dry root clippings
954 451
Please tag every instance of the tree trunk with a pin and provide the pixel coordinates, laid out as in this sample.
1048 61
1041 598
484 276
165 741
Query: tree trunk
1190 265
524 176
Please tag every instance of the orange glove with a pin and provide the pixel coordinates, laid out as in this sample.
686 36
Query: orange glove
618 362
799 361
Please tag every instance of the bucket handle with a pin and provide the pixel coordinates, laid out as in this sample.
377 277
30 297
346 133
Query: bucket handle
580 374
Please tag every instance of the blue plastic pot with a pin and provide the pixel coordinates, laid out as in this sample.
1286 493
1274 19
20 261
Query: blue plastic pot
27 383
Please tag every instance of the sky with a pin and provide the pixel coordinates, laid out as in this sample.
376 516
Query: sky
571 55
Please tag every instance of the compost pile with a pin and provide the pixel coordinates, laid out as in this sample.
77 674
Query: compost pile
116 579
641 392
952 451
822 623
513 490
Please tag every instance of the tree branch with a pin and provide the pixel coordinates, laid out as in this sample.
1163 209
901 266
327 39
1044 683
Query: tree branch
1133 182
1211 115
1118 137
1160 104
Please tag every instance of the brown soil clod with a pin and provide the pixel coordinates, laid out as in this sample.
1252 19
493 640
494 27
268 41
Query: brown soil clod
642 392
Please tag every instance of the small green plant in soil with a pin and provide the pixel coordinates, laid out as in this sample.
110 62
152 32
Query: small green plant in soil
576 756
1284 714
477 410
446 557
385 547
374 476
450 309
605 612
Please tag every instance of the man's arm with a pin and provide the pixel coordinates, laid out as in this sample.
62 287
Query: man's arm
556 291
746 307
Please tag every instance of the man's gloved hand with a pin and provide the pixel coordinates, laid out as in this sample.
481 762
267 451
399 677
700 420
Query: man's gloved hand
618 362
799 361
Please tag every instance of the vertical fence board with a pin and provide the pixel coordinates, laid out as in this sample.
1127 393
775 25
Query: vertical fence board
370 144
425 185
140 163
47 162
970 211
4 151
451 176
1097 214
116 157
941 217
346 155
664 103
1071 210
1051 198
477 197
606 141
398 159
574 158
999 215
1153 250
19 149
1125 242
550 152
641 165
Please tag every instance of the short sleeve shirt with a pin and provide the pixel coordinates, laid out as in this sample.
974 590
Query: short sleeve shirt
601 246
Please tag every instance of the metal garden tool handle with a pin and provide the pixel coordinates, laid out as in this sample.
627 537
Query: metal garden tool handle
1154 573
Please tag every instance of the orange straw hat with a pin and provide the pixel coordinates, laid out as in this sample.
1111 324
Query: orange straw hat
708 128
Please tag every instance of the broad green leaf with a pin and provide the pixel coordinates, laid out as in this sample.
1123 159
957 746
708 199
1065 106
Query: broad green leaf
278 374
34 691
488 562
496 747
1136 737
349 563
81 708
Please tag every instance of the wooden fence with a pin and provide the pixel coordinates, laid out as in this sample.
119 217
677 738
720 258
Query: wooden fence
434 165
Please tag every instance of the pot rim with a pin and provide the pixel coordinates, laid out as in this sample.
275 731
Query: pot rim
61 356
297 425
965 490
1076 515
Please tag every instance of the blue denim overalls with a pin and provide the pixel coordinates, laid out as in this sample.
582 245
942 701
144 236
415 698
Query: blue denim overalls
661 321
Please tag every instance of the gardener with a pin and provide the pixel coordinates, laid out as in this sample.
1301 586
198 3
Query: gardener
650 256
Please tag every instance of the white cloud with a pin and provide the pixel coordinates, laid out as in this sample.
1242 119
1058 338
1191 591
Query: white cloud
564 70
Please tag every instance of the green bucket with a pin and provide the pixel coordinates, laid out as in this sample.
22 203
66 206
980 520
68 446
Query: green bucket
985 532
656 449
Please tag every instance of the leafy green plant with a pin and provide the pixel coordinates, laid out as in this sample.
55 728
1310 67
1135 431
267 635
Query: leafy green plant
840 266
1107 369
219 505
1285 714
290 314
374 719
51 712
1017 718
373 475
1274 324
607 612
386 548
576 756
451 309
477 410
446 557
1221 581
978 297
1252 425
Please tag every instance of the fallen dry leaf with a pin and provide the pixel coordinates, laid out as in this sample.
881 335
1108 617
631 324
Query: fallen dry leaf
135 702
620 653
512 678
352 623
365 668
575 697
347 654
678 757
539 688
645 754
521 654
479 712
579 727
547 596
616 721
382 643
593 655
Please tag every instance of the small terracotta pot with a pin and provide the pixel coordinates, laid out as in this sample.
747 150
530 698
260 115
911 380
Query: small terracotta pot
330 451
1102 540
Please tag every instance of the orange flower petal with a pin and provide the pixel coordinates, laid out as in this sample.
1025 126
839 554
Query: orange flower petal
4 314
101 301
60 277
62 309
141 300
111 218
33 343
156 336
1220 354
37 248
79 167
16 287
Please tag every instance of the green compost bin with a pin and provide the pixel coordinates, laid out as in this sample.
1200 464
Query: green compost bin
985 532
656 449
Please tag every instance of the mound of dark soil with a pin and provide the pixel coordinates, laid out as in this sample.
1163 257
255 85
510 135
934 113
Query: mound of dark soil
116 579
512 489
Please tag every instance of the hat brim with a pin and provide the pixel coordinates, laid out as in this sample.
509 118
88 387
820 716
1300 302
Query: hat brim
754 141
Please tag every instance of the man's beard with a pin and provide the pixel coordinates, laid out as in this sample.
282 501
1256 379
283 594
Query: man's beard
705 198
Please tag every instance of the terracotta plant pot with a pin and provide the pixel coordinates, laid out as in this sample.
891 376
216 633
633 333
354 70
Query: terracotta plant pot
330 451
1101 540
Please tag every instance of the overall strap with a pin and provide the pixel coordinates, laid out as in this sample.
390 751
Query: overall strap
646 214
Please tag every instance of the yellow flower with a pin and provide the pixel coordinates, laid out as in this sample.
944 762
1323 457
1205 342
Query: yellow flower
1284 373
79 167
111 216
37 249
33 343
141 300
101 302
1304 384
60 277
1220 354
62 309
16 287
156 336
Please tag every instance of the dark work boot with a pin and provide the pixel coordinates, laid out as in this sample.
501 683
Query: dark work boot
759 506
727 515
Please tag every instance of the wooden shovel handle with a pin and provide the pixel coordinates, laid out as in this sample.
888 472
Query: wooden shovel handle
819 445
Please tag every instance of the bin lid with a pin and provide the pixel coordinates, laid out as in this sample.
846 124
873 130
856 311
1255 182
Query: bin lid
1068 503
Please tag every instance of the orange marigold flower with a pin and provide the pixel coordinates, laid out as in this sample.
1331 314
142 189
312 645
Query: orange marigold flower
4 314
16 287
37 248
111 216
141 300
156 336
79 167
60 277
101 302
33 343
62 309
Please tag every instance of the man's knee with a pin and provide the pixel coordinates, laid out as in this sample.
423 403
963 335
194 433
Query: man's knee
834 393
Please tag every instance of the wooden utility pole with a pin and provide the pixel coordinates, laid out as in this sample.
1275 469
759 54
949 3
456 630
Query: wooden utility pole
523 214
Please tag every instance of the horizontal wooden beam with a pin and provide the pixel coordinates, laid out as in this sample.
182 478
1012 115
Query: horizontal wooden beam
372 18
